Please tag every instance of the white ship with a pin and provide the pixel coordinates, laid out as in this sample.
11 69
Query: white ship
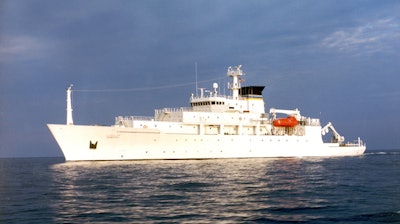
214 126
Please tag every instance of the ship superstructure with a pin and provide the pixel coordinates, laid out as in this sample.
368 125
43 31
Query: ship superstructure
213 126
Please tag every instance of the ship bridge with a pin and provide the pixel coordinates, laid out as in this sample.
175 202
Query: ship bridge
247 99
250 100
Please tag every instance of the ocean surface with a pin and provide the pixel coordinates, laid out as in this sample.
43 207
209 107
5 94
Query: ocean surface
363 189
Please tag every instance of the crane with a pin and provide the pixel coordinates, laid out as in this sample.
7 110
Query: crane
336 136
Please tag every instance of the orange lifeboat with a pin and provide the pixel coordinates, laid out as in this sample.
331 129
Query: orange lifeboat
286 122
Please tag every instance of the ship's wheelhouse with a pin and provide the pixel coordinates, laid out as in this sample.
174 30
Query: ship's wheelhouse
251 91
205 103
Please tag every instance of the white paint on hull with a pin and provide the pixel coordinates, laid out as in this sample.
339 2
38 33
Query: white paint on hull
116 143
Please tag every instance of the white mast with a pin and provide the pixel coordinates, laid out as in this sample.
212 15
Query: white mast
195 68
235 73
70 121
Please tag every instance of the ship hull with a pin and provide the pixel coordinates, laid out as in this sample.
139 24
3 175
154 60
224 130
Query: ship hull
83 143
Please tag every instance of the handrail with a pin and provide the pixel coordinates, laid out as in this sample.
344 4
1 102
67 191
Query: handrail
173 109
132 118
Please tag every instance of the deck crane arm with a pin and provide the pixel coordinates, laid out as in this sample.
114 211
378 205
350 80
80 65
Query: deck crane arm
295 112
336 136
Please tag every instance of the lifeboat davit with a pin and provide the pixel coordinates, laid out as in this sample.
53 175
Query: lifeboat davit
286 122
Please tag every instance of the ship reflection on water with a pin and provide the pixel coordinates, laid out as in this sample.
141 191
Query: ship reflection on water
203 190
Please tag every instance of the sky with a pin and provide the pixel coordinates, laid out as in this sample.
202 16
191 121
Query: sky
336 60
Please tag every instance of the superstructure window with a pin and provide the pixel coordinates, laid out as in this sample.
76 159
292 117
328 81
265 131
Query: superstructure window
207 103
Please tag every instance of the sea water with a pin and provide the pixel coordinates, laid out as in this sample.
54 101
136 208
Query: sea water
361 189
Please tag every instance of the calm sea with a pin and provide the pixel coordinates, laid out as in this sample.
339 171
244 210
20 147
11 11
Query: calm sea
364 189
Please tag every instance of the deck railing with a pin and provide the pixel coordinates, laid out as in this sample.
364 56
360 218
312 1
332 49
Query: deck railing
157 112
307 121
132 118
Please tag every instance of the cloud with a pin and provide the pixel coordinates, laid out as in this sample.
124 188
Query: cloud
378 36
20 47
386 95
